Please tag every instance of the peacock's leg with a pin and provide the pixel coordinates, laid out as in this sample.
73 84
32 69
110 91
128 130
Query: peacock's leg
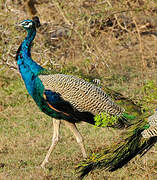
77 135
55 138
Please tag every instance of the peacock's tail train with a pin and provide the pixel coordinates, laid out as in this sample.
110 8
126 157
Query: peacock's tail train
121 153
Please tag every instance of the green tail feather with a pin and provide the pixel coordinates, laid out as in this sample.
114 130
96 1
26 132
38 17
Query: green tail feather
125 120
120 154
127 116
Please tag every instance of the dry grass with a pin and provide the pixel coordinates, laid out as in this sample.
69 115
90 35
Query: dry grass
114 41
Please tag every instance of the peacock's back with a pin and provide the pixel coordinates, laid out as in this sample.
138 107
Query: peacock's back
84 96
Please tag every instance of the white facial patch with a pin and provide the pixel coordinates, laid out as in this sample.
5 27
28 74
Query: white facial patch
26 24
29 24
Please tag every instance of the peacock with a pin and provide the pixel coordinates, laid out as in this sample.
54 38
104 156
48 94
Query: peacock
64 97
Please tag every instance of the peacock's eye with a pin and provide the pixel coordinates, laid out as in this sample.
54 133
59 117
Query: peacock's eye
26 23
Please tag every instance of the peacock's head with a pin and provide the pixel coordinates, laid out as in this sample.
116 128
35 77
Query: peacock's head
29 24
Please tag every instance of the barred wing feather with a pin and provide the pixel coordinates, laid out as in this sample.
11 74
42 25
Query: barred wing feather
153 119
150 132
82 95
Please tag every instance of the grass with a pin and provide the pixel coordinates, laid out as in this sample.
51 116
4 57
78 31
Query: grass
26 135
112 41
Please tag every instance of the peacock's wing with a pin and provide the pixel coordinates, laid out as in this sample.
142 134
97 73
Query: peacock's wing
150 132
82 95
57 103
153 119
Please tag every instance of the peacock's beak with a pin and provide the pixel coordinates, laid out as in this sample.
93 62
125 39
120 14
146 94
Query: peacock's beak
19 24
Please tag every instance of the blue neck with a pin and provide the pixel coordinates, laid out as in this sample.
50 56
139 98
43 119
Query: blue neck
28 68
24 53
26 45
